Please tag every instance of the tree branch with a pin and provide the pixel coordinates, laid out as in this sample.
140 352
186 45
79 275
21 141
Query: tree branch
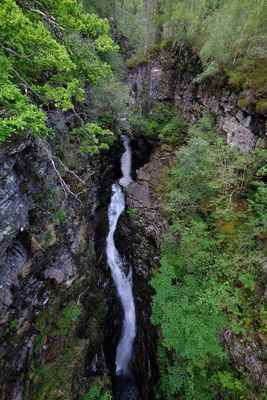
14 53
49 18
68 170
66 188
27 86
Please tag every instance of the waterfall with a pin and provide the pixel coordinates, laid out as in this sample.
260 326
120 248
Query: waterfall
120 270
126 163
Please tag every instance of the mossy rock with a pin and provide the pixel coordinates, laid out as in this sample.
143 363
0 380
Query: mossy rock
261 106
137 61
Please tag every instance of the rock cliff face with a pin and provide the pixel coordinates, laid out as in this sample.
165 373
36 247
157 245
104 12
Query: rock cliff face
169 76
144 226
46 267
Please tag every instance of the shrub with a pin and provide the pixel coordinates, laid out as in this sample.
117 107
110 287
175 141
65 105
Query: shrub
140 124
59 217
133 213
12 325
98 390
171 131
66 318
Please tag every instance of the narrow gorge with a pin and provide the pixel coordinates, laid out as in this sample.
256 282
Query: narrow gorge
133 200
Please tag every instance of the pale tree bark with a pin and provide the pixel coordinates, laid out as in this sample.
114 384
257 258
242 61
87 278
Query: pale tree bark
65 187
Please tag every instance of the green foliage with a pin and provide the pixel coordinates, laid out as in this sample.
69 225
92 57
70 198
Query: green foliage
97 391
132 22
94 138
133 213
110 98
48 51
249 74
171 132
140 124
261 106
12 325
49 238
66 319
258 204
164 124
51 377
59 217
209 275
229 35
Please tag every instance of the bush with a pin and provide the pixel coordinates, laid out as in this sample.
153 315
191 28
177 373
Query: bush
59 217
164 124
140 125
171 132
133 213
261 106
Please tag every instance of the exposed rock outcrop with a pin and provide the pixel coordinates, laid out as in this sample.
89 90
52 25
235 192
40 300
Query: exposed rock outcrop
252 356
147 193
169 76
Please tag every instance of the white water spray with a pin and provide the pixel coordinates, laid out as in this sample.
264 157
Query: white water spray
121 272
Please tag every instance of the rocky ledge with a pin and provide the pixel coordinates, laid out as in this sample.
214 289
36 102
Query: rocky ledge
170 76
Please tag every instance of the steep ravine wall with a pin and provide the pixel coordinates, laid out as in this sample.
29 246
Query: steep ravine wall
48 269
169 76
48 265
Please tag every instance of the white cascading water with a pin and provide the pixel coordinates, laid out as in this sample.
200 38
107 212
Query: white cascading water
121 273
126 162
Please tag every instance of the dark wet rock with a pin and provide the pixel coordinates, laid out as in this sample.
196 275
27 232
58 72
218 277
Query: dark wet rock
17 392
23 355
251 355
5 299
40 257
14 205
15 258
61 269
125 389
98 365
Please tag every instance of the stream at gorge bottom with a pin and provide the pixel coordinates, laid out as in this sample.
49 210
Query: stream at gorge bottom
130 340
